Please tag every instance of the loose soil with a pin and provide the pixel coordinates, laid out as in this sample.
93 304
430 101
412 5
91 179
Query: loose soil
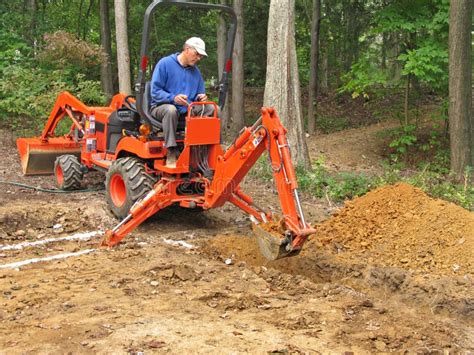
389 271
401 226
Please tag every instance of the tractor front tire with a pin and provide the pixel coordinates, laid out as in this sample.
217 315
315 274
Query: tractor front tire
68 172
126 182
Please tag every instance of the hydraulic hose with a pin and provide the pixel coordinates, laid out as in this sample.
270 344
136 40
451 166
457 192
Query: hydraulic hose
54 191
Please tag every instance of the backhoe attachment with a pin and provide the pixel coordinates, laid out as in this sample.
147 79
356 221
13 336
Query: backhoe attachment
276 238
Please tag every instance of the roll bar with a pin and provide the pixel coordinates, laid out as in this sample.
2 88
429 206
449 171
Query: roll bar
223 83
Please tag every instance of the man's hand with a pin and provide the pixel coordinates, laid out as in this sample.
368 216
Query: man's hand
201 97
181 99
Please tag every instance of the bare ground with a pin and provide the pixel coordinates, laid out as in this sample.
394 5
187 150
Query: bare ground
187 282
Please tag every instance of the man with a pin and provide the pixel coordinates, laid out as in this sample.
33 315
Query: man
176 82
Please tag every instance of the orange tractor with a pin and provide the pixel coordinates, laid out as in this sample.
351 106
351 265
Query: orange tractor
117 139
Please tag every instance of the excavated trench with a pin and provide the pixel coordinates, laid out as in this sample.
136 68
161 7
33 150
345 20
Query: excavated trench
395 240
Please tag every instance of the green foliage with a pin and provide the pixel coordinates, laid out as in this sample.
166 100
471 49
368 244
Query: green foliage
89 91
439 185
409 144
14 50
364 78
337 187
28 94
439 163
29 85
24 91
350 185
303 39
316 182
428 63
421 28
424 25
320 182
255 42
403 138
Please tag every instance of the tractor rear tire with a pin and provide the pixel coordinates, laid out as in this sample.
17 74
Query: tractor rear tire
126 182
68 172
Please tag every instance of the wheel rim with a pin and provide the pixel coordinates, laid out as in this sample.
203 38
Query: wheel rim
59 175
118 192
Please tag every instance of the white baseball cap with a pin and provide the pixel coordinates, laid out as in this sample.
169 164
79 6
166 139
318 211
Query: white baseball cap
198 44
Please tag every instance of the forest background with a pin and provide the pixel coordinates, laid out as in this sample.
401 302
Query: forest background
375 60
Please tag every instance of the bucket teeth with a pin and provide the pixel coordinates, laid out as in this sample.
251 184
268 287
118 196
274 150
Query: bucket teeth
272 244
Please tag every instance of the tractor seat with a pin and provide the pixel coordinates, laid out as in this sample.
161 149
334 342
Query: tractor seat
157 126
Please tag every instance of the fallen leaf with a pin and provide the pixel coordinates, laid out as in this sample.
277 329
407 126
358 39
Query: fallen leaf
156 344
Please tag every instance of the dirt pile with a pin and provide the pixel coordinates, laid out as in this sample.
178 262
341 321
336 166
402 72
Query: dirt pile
393 241
401 226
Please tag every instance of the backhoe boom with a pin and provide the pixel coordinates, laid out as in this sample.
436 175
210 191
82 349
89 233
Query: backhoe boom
267 134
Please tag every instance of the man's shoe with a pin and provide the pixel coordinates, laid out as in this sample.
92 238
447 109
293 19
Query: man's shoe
171 158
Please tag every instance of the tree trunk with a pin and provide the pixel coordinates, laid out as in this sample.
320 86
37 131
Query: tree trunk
313 71
221 45
24 10
105 40
238 118
33 9
383 63
348 17
282 87
396 51
324 68
338 67
43 10
407 97
85 26
79 20
353 29
123 54
460 90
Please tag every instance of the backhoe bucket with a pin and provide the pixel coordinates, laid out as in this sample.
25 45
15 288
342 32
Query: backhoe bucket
37 156
272 242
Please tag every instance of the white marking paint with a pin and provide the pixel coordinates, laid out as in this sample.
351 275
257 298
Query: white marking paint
48 258
180 243
78 236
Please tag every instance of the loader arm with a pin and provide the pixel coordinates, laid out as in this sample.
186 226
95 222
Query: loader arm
64 101
37 154
267 134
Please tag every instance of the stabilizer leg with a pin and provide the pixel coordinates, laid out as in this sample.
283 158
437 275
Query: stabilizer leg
154 201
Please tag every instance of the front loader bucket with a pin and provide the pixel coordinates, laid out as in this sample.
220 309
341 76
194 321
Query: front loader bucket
272 242
37 156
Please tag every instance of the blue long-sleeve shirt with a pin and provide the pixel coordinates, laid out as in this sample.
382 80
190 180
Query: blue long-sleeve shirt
170 78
